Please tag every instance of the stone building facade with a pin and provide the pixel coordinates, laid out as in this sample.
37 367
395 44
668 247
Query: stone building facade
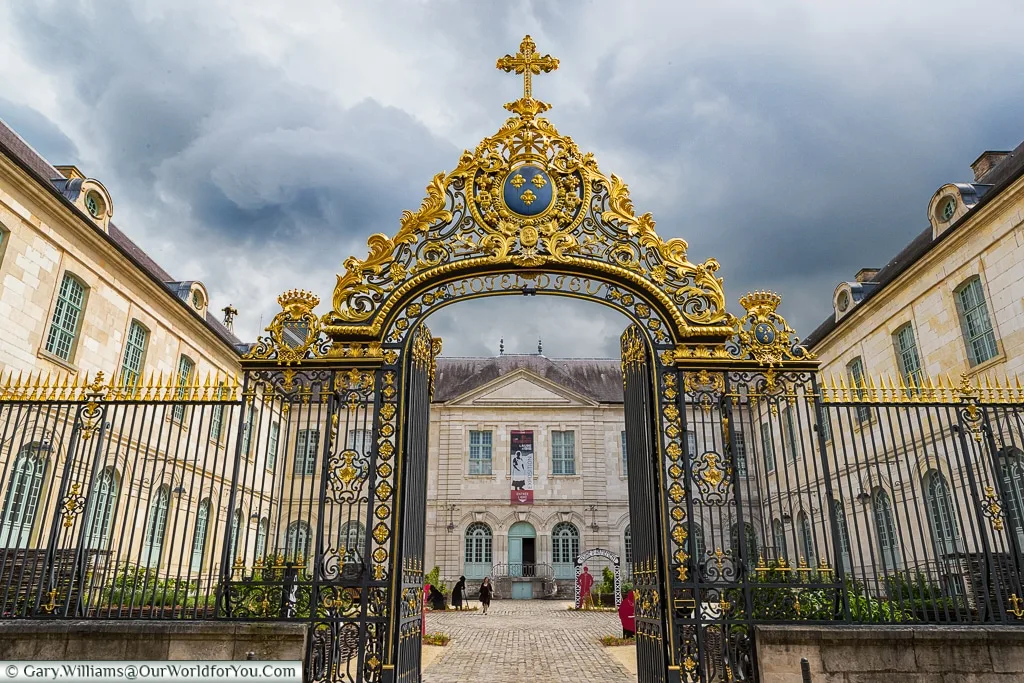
572 411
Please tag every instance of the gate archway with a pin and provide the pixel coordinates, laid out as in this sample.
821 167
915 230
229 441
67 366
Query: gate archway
528 213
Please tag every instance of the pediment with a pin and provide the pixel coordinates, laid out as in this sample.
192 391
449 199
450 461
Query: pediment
522 388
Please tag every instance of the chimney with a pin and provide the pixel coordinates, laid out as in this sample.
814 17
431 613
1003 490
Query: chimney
70 172
986 162
866 275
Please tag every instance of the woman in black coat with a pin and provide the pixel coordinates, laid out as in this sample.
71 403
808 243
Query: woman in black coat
486 591
458 593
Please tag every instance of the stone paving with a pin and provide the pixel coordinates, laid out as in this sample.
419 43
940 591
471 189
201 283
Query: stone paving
525 640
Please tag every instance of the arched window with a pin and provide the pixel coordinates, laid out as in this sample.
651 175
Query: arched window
750 539
102 501
353 537
941 518
844 533
565 544
67 317
885 527
627 539
975 322
156 527
22 500
1012 468
199 535
236 531
779 539
262 531
297 542
806 539
478 555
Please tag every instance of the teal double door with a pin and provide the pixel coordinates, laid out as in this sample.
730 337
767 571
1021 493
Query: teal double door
522 559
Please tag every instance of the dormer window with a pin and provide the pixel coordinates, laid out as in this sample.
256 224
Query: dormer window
843 301
947 209
197 299
94 204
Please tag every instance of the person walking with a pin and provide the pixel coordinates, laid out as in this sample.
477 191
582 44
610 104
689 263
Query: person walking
485 594
458 593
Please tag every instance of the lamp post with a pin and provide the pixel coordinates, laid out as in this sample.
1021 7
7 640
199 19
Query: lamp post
450 528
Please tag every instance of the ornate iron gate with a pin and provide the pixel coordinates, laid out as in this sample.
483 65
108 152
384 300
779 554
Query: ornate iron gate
646 489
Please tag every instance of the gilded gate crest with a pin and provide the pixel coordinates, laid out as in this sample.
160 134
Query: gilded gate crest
527 197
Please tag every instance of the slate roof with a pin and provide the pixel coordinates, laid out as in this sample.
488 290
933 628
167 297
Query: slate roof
13 146
991 185
597 378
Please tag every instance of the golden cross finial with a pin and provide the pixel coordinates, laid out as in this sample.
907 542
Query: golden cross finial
529 63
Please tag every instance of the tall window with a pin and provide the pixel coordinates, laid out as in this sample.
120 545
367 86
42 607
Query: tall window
563 453
272 438
199 535
297 542
791 442
478 551
236 534
844 533
625 461
67 315
305 452
185 367
217 415
749 541
156 527
628 545
691 444
941 518
480 452
101 509
779 539
855 371
769 448
806 538
353 536
739 451
700 549
975 321
907 357
359 441
134 352
826 425
262 531
1012 469
22 500
250 417
565 543
885 527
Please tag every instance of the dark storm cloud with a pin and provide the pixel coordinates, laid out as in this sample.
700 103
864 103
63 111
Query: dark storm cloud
795 143
44 135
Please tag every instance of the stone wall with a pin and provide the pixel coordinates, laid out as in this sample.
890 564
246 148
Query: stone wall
138 640
880 654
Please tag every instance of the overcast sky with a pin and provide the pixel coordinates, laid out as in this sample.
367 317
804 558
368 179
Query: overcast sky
254 146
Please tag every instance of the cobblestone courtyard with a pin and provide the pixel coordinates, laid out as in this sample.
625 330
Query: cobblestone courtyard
525 640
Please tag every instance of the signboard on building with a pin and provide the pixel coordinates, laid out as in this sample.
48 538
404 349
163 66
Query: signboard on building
522 467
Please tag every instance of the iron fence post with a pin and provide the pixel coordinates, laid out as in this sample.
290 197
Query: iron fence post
995 613
222 608
830 502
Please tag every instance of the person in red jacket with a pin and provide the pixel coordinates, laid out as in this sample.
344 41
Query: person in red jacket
585 583
627 615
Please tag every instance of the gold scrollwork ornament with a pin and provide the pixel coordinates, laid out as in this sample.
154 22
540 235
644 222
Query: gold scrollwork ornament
294 331
764 335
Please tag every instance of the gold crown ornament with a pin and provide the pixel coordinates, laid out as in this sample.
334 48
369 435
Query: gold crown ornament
298 301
